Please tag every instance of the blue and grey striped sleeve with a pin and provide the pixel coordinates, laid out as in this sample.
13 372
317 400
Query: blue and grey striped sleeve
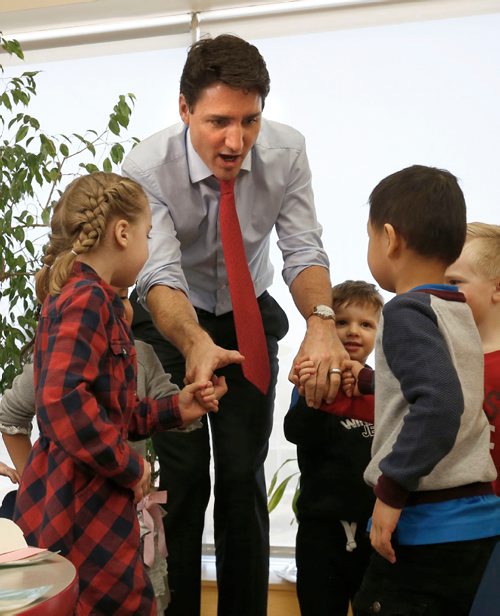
418 357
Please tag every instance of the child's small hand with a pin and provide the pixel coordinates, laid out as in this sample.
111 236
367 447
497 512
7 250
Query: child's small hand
350 373
220 387
196 399
302 372
11 473
207 397
384 521
348 383
144 486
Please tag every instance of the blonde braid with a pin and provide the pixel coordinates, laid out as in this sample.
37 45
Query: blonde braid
57 243
79 221
94 219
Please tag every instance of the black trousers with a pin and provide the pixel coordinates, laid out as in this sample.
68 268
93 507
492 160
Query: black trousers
328 576
240 433
426 580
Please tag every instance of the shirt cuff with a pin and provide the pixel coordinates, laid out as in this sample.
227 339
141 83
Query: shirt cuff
366 381
390 492
169 413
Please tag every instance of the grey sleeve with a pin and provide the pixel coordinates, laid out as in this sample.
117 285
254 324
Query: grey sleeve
157 381
17 406
417 355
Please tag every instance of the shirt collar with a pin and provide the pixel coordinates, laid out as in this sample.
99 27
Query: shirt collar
198 170
435 287
82 270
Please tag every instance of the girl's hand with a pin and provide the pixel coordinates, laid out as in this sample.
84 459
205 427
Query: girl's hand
11 473
144 486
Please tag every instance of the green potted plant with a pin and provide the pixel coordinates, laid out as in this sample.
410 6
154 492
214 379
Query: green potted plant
276 490
34 167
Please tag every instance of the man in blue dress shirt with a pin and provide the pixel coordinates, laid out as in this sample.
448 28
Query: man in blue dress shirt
184 286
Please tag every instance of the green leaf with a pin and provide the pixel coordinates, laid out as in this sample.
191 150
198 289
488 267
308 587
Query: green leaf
32 172
117 152
90 147
294 500
113 125
277 495
91 168
21 133
13 48
46 215
275 476
6 101
48 146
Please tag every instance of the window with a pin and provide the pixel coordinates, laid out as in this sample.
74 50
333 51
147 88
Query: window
369 101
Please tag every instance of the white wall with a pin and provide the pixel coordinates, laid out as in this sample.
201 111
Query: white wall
369 100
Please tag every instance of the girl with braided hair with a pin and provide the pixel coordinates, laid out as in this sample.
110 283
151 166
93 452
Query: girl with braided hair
82 478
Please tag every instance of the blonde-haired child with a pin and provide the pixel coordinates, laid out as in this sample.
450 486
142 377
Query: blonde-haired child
17 409
79 487
477 274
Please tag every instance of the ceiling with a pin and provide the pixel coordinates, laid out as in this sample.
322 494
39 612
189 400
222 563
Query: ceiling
48 24
39 24
22 15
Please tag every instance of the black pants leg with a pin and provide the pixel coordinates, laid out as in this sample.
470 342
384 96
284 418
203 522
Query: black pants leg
328 576
240 433
426 580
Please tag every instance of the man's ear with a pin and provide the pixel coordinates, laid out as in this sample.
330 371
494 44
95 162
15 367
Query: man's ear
393 240
184 109
120 232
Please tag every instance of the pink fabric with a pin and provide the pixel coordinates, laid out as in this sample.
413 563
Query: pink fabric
152 516
9 557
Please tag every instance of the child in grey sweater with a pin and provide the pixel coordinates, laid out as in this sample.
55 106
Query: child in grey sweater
436 519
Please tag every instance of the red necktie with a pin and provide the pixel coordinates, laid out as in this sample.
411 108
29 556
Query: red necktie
247 318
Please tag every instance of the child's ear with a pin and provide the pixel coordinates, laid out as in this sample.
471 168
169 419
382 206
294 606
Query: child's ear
393 240
496 292
120 232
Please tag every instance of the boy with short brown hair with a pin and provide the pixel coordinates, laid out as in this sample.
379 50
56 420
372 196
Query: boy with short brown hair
333 449
436 519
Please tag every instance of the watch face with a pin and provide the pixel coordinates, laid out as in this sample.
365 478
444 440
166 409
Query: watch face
323 311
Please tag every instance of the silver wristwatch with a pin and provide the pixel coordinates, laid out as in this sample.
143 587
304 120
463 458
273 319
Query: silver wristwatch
323 312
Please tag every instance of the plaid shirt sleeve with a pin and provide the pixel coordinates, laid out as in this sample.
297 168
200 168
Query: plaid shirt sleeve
152 416
77 393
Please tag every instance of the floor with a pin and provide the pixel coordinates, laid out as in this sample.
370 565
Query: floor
282 597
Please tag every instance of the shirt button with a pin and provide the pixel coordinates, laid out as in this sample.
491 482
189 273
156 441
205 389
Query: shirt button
376 607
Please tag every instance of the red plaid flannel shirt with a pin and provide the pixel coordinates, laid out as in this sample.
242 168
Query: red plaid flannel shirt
75 493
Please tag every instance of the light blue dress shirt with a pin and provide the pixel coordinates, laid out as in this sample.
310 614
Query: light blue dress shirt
273 189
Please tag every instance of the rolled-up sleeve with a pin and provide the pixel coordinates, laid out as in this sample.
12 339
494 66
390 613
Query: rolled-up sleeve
298 229
163 266
17 406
